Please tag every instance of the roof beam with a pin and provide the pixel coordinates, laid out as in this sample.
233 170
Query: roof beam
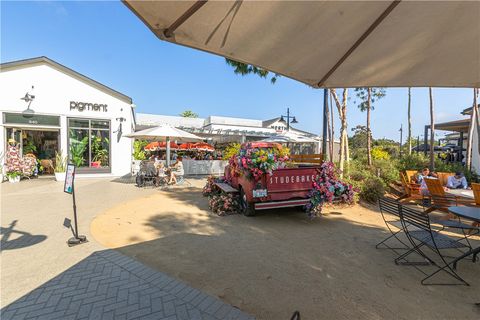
357 43
168 33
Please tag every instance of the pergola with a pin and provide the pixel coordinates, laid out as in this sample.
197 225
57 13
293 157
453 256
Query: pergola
332 44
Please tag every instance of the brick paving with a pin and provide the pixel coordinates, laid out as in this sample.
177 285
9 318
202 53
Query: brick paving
109 285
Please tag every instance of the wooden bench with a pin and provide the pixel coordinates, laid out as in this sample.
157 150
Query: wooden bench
307 158
226 187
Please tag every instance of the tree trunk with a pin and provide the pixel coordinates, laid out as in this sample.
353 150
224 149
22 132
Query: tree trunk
471 127
432 131
369 135
409 121
342 114
329 132
332 137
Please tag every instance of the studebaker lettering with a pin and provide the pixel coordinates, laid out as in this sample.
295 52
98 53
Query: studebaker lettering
293 179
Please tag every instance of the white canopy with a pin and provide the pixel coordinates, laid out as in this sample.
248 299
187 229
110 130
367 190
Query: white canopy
332 43
164 132
290 137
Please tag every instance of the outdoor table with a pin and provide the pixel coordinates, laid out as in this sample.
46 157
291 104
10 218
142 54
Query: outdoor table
470 213
465 193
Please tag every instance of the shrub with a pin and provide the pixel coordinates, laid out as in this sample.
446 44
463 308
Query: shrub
231 150
372 189
138 150
387 170
379 154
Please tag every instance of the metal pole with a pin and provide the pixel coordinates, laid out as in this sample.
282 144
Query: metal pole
460 144
425 137
418 144
74 209
401 131
288 119
325 123
168 151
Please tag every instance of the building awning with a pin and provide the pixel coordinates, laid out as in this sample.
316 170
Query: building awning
457 125
332 43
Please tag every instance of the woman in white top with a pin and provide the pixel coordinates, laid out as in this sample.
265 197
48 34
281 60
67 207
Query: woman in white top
177 170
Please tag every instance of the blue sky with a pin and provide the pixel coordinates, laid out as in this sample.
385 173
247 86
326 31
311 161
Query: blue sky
106 42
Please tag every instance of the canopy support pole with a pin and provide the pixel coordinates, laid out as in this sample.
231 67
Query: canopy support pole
168 151
168 33
425 138
325 124
359 41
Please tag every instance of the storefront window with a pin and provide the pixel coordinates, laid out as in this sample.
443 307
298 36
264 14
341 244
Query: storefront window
89 144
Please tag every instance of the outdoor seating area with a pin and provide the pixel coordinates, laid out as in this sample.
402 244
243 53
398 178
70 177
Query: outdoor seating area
417 233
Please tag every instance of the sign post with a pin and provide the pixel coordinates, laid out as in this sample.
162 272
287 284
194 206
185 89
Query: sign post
69 188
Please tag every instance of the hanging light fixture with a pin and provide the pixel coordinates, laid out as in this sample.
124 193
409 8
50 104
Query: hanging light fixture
28 98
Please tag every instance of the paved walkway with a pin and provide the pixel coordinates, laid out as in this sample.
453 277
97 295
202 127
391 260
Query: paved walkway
42 278
109 285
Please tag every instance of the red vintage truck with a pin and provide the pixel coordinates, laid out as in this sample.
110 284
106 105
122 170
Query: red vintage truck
283 187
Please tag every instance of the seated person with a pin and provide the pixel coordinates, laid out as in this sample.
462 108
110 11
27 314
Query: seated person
161 171
177 170
457 181
425 174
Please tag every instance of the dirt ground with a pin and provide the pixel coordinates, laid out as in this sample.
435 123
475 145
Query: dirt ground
280 261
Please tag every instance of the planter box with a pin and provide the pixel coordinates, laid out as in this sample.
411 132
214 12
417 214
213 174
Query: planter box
14 180
60 176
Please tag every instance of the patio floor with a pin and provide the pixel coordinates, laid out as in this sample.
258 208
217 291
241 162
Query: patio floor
42 278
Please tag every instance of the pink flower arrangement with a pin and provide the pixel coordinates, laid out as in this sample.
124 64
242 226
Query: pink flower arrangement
327 189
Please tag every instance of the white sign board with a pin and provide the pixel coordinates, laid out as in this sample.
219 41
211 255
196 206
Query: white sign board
69 176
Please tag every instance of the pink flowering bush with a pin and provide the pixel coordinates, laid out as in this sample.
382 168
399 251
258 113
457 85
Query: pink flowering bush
327 189
220 202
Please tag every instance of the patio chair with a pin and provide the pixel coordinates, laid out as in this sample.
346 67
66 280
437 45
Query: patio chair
389 209
419 232
476 192
411 175
443 177
443 201
411 190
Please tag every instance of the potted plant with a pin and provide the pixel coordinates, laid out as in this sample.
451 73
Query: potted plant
138 154
60 166
14 176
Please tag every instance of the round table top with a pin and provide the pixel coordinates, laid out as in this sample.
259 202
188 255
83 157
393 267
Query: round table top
471 213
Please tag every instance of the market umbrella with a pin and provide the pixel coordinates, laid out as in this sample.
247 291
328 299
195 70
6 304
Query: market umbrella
160 145
203 146
167 132
331 44
185 146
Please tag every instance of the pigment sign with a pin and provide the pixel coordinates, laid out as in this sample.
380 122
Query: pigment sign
82 106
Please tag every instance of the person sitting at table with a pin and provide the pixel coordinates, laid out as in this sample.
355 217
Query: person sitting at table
161 172
457 181
177 170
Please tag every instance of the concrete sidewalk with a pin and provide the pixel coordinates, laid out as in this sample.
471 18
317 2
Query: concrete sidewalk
41 277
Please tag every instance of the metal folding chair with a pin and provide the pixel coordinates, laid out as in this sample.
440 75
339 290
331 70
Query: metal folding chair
419 232
390 211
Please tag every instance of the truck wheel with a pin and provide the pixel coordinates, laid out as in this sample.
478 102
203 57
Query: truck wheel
247 208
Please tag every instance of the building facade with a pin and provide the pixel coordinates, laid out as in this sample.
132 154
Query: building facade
47 108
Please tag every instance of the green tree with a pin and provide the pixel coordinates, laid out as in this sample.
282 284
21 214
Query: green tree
359 138
366 99
188 114
246 69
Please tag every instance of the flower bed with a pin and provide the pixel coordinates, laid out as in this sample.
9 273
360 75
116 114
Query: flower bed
327 189
220 202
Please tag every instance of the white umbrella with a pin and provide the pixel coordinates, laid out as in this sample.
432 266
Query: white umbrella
290 137
167 132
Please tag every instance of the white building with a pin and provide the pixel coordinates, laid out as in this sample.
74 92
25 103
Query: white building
70 113
220 130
